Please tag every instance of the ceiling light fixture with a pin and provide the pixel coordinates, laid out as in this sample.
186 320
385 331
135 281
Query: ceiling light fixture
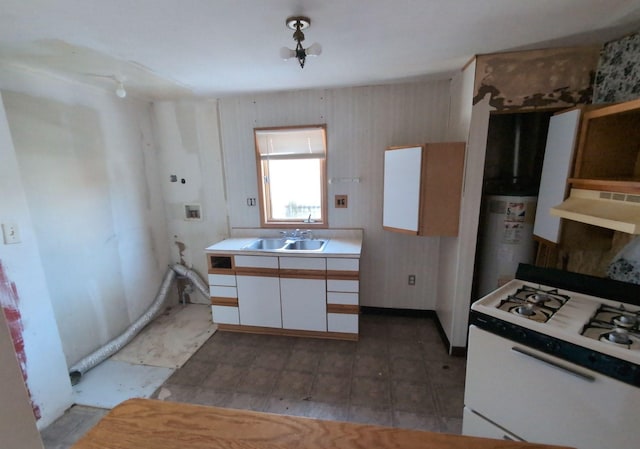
299 23
120 90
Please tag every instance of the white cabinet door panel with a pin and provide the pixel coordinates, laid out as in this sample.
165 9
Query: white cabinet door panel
303 263
338 285
256 261
342 322
222 279
225 315
336 264
259 301
558 159
342 298
304 305
219 291
402 170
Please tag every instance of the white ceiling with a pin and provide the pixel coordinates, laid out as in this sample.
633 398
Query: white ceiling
171 48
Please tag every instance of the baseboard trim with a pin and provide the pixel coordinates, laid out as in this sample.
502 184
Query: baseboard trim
456 351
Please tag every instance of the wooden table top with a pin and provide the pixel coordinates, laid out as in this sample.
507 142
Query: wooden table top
152 424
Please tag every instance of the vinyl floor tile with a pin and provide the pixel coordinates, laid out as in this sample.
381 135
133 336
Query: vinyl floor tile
398 374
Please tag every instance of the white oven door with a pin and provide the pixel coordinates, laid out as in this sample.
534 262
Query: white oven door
476 425
543 399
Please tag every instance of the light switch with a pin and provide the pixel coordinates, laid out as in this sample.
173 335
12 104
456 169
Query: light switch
11 233
341 201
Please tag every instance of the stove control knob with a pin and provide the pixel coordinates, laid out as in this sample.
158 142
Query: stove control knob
552 346
623 370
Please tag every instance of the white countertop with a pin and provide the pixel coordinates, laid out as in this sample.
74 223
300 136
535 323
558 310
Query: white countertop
341 243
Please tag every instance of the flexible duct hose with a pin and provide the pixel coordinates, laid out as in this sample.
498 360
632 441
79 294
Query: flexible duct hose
99 355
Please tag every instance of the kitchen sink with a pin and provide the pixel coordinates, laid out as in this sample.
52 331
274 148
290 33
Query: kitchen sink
266 244
306 245
285 245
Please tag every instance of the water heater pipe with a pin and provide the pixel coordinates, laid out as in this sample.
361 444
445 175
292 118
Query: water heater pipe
99 355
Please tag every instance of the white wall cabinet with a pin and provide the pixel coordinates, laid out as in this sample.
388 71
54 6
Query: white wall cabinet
422 188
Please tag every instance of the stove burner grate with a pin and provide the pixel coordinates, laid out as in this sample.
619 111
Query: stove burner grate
532 303
614 325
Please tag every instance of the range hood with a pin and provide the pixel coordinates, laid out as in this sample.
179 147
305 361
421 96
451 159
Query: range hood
611 210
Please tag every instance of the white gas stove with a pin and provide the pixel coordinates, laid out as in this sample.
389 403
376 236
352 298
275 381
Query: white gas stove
602 325
554 358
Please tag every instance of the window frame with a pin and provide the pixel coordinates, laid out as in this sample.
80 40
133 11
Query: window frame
264 197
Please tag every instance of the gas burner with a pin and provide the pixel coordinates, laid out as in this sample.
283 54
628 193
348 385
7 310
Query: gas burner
617 336
526 310
539 298
626 321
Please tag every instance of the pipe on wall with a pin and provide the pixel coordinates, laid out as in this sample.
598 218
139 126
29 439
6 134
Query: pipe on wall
99 355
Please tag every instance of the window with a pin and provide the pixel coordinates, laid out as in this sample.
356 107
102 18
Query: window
291 175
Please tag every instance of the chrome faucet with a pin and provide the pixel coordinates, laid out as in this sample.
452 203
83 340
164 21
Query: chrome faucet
297 234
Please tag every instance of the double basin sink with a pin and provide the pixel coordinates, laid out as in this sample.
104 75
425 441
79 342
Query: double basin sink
285 244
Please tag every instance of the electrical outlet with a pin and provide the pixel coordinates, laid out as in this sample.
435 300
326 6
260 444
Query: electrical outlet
251 202
412 279
11 233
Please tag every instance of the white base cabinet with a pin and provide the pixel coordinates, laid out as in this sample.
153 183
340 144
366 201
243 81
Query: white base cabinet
313 295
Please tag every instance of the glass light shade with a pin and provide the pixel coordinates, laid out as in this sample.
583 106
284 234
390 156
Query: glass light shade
314 50
287 53
120 92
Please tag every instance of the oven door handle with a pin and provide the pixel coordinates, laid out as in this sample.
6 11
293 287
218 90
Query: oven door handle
576 373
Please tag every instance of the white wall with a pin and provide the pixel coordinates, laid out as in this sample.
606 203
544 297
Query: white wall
89 171
451 307
24 292
361 123
189 144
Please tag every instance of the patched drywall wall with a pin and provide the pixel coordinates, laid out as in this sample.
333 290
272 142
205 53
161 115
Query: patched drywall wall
191 174
618 77
551 78
25 300
90 178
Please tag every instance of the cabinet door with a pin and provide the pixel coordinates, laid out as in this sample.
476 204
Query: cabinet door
556 168
259 301
304 304
402 169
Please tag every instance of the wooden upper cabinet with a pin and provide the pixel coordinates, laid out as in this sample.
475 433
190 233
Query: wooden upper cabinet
422 188
608 156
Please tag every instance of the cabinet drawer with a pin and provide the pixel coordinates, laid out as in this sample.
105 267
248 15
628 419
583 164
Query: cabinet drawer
222 291
256 262
222 279
337 285
341 322
342 298
334 264
225 315
303 263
